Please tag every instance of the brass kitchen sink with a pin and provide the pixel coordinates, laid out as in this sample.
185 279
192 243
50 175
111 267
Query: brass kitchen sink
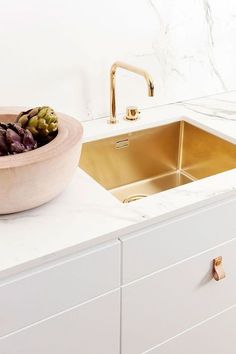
138 164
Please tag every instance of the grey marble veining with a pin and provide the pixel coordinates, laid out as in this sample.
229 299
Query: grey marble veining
188 46
216 108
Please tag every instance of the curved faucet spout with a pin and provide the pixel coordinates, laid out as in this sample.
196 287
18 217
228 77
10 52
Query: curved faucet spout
133 69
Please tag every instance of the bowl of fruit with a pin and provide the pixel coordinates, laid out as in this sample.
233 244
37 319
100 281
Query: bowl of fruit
39 152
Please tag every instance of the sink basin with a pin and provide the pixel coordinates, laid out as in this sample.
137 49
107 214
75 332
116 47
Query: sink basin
138 164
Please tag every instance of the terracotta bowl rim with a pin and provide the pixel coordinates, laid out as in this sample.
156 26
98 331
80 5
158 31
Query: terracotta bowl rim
70 133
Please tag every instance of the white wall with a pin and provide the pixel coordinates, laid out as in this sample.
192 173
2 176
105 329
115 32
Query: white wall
59 52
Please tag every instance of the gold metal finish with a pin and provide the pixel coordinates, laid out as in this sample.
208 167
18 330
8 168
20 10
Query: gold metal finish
132 113
153 160
218 271
133 69
133 198
121 144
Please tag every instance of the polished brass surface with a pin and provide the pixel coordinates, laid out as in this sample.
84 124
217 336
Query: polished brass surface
121 144
133 69
153 160
133 198
150 186
132 113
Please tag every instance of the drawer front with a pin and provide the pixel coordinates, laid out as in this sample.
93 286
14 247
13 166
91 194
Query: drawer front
53 289
91 328
215 336
168 302
158 247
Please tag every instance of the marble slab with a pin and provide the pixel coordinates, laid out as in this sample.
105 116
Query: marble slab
59 53
86 214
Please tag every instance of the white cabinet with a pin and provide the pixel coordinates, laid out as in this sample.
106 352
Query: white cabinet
164 304
91 328
169 299
215 336
45 291
159 246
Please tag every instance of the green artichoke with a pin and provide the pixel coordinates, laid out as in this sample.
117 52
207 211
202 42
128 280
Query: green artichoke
14 139
42 122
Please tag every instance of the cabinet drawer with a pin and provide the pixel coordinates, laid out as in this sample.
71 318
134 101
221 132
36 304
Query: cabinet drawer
215 336
53 289
157 247
91 328
168 302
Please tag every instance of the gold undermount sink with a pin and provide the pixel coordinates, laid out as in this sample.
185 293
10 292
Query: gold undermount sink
138 164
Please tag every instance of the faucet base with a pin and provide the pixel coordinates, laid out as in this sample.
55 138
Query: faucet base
109 121
132 113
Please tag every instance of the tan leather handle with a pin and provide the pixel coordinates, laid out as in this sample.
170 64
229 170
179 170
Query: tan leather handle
218 270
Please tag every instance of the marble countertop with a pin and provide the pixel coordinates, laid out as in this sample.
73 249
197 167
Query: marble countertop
85 214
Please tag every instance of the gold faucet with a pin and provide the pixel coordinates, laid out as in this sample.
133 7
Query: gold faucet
133 69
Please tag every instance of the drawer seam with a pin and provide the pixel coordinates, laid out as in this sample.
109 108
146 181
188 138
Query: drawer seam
59 313
56 263
182 216
177 263
190 328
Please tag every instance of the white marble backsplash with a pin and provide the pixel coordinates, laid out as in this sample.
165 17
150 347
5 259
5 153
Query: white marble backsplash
59 52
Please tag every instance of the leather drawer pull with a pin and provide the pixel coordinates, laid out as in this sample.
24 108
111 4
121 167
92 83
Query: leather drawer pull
218 270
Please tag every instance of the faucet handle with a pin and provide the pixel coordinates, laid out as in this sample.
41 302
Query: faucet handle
132 113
